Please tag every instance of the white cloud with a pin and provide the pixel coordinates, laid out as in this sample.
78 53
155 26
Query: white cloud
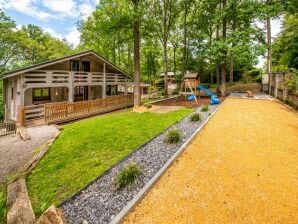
26 7
53 32
73 36
86 10
52 9
65 8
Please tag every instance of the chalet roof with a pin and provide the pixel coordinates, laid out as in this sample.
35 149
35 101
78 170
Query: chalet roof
58 60
190 75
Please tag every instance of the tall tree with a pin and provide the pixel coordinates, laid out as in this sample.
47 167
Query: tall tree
223 65
269 50
164 14
136 36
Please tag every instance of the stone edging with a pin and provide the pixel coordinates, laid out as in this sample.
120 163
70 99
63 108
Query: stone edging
143 192
286 105
157 101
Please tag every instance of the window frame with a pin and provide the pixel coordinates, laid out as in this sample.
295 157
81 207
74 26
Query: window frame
41 97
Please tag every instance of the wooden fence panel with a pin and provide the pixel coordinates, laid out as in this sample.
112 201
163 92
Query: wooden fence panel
56 112
7 128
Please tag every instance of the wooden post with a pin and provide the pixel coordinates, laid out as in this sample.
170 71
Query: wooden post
70 87
21 118
126 86
276 84
104 82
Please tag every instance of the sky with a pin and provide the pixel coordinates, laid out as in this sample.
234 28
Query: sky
57 17
60 17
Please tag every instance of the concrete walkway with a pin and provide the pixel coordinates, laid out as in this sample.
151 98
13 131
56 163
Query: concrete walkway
241 168
257 96
14 152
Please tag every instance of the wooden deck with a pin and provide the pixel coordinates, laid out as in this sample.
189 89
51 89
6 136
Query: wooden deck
54 113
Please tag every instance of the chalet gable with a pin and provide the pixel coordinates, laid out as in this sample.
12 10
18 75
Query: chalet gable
60 64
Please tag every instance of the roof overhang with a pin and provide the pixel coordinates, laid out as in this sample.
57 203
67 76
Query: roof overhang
59 60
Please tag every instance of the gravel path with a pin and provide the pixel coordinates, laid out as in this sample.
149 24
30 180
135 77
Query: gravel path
100 202
242 168
14 152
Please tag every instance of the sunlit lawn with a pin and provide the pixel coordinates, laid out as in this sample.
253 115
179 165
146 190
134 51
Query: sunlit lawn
85 149
2 204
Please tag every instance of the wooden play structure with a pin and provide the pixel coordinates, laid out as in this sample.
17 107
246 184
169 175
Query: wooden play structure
189 85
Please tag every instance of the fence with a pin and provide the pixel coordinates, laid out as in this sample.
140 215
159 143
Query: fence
7 128
66 111
63 111
279 89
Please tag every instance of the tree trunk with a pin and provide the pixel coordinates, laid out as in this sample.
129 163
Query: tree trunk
232 70
165 67
269 59
210 60
217 64
136 35
185 38
174 61
234 26
223 66
217 77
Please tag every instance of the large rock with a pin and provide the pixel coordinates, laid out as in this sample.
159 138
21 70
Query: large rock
24 133
52 215
18 204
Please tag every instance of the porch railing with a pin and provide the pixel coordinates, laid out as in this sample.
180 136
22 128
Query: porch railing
7 128
65 111
59 112
58 78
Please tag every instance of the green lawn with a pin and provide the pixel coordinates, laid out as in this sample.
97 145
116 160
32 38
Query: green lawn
2 205
85 149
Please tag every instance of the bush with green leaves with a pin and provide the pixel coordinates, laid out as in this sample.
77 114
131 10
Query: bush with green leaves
127 175
195 117
289 101
205 108
172 136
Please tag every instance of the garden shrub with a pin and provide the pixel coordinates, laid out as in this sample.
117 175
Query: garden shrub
195 117
205 108
289 101
173 136
127 176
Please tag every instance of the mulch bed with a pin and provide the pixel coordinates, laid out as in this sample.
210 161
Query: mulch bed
181 101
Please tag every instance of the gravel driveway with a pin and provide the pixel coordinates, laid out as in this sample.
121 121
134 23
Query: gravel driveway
14 152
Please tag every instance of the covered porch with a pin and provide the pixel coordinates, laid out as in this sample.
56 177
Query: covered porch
54 113
58 96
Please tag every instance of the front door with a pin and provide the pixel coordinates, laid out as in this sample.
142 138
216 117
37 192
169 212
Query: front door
81 93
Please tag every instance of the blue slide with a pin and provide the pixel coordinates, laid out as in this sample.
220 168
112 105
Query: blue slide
213 97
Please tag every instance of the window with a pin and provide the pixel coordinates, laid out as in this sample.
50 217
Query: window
86 66
74 66
81 93
41 94
111 90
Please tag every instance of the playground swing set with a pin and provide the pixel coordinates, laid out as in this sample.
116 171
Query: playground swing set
191 86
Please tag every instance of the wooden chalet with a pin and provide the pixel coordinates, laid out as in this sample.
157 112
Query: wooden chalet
67 88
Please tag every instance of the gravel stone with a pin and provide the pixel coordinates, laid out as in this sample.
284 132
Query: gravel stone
99 202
